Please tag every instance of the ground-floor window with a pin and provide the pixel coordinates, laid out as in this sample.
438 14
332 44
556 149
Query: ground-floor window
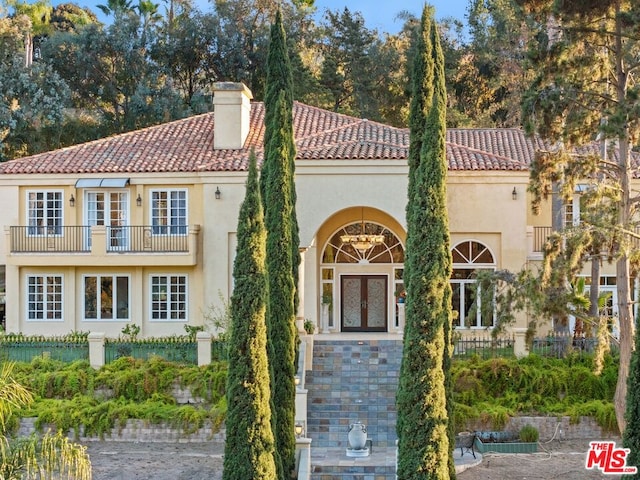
168 297
465 293
106 297
470 256
44 297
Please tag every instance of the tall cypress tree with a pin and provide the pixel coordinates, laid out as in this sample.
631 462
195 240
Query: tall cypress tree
424 449
249 447
277 183
280 79
631 435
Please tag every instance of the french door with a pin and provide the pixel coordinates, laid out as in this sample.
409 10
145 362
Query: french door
363 303
109 209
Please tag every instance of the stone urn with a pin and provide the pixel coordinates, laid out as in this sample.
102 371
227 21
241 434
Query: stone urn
357 436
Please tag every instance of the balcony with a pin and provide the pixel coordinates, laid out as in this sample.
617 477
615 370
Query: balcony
122 245
540 236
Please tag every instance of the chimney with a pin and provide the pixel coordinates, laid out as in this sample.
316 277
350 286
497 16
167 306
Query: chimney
232 108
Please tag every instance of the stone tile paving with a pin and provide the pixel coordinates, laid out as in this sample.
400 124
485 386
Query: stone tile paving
353 381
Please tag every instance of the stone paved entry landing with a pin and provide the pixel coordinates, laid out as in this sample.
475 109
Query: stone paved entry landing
352 381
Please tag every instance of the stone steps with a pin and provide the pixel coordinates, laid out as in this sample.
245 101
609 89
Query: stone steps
353 381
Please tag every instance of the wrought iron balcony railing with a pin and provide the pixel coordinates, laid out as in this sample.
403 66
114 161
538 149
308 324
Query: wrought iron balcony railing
79 239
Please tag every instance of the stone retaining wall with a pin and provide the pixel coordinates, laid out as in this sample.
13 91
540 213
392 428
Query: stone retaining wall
140 431
555 428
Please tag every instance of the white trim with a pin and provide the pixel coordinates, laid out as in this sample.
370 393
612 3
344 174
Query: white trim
186 298
44 297
27 212
114 277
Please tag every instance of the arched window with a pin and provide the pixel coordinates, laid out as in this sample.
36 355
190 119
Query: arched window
390 251
469 257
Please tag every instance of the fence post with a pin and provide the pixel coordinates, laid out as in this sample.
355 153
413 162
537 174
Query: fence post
96 349
520 348
204 348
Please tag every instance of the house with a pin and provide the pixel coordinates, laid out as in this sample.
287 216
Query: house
140 228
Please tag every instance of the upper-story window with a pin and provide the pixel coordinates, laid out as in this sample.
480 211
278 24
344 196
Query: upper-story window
468 257
169 212
44 212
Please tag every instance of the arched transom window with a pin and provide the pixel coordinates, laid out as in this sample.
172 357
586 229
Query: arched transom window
389 251
469 257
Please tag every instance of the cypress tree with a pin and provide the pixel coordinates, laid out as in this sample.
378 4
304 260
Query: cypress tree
277 183
631 435
424 450
249 447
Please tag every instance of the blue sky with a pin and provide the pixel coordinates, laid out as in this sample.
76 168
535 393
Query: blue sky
381 14
377 14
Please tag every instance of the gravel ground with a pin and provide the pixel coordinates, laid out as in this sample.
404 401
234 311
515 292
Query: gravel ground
155 461
203 461
554 461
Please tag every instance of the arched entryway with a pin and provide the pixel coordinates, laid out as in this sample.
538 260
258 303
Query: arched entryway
361 269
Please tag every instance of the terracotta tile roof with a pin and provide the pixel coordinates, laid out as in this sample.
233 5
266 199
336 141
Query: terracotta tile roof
187 146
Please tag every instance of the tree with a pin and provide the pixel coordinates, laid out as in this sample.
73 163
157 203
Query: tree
182 49
69 17
631 437
347 70
49 456
277 183
424 448
249 445
585 55
31 99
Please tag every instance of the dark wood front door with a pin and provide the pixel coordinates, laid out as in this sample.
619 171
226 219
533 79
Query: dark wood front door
363 303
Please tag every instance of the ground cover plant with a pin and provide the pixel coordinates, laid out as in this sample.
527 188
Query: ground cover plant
74 395
93 402
492 391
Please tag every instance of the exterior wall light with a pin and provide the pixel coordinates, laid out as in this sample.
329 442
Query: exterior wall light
139 201
218 193
514 194
72 200
299 429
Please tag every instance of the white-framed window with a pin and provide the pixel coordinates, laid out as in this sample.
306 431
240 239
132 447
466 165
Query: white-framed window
106 297
112 210
327 281
469 257
44 297
168 297
169 212
44 212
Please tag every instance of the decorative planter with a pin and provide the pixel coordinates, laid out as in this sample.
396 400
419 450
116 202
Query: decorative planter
502 442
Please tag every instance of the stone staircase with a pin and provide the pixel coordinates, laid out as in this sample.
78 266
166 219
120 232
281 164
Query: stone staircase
353 380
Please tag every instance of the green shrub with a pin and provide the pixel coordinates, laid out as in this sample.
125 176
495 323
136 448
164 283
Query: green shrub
529 433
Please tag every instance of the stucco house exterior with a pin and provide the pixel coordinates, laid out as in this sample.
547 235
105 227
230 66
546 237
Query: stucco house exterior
141 227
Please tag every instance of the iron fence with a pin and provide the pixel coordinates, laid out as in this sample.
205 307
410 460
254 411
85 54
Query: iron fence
559 345
484 347
26 350
174 350
219 350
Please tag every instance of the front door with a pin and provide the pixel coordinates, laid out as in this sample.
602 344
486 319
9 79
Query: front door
364 303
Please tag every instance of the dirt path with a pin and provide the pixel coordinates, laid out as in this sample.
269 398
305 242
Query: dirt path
203 461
